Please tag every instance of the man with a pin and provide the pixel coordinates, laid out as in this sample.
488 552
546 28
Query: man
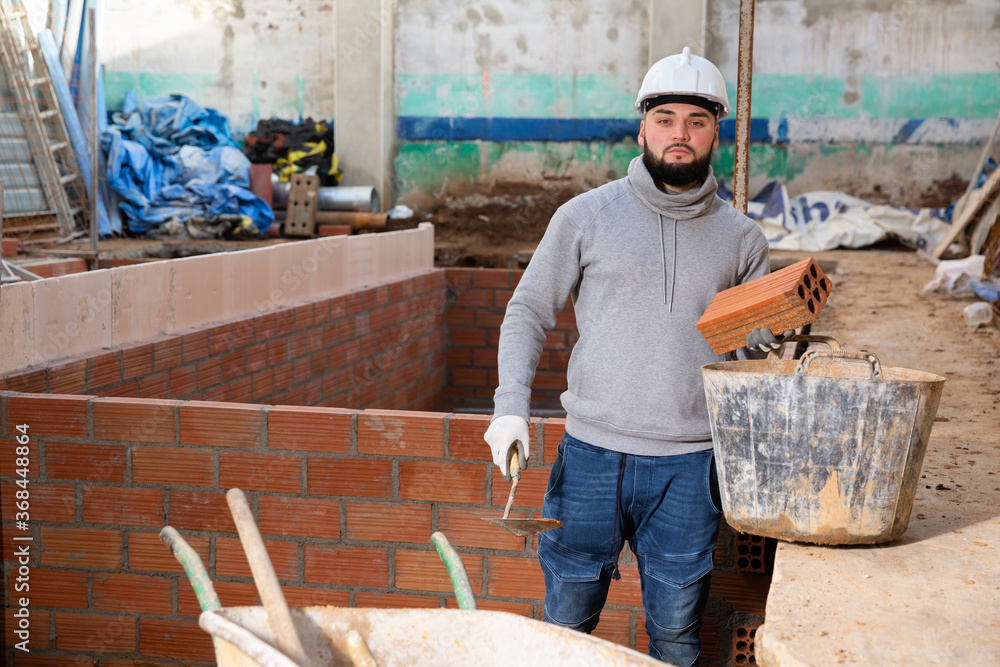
642 258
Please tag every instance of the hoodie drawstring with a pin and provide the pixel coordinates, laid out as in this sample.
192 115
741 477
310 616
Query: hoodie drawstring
673 262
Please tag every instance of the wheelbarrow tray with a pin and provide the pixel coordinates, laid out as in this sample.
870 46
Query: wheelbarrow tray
431 637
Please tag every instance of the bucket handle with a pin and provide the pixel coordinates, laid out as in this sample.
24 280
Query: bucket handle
873 362
805 338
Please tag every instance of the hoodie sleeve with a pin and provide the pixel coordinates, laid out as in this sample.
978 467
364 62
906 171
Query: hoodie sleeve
552 274
755 262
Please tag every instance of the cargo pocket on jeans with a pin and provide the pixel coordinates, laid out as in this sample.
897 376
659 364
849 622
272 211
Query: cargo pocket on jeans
567 566
679 572
555 475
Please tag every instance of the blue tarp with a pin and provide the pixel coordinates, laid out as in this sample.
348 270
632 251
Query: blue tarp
170 159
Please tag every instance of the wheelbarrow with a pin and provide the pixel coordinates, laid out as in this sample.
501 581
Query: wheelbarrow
276 636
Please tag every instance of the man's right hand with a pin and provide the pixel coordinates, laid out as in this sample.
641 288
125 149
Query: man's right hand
504 432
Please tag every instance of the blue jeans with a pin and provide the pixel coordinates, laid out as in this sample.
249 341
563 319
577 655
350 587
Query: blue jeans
667 508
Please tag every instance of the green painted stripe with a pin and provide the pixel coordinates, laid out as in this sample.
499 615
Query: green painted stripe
516 96
159 84
773 96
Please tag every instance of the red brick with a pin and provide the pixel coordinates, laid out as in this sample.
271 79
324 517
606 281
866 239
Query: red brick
104 369
389 522
240 390
194 346
134 419
231 594
502 297
264 326
346 566
147 553
476 298
515 578
626 591
137 360
220 339
465 437
183 381
209 372
458 277
370 478
485 356
54 503
256 356
459 317
48 416
467 336
80 547
95 633
68 378
55 588
530 490
118 506
519 608
424 571
85 461
177 640
172 466
333 230
305 517
465 527
10 247
447 482
305 596
402 433
306 428
554 430
468 377
232 365
259 471
492 278
263 383
396 601
200 510
133 593
555 380
154 386
230 426
30 382
459 356
231 560
39 640
128 389
167 354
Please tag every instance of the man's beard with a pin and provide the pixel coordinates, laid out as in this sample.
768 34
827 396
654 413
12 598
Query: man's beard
676 174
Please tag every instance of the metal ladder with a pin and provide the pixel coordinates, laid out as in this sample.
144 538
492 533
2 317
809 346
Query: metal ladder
38 110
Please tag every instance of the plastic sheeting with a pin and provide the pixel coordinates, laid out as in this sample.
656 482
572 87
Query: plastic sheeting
826 220
169 159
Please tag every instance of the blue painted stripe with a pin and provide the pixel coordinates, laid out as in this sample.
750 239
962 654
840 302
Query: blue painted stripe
426 128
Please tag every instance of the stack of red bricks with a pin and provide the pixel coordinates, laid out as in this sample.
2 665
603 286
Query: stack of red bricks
784 300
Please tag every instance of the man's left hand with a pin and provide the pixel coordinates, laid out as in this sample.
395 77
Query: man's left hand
762 340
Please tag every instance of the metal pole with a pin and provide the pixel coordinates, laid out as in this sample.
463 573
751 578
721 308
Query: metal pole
95 177
741 176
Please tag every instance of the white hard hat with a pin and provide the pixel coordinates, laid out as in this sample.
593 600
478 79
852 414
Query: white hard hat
685 75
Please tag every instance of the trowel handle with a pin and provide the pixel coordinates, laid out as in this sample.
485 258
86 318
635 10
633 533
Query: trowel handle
512 460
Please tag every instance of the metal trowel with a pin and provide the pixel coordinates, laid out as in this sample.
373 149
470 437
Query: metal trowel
519 527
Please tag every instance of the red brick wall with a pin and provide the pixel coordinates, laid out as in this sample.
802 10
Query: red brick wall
480 299
346 501
380 347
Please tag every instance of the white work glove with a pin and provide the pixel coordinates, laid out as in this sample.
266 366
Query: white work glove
762 340
501 435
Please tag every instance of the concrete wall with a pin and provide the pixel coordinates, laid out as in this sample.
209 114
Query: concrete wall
346 501
880 98
249 59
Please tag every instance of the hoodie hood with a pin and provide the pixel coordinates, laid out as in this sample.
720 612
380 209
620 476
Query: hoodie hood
681 206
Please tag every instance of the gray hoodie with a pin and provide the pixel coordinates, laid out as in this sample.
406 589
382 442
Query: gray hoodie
642 266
